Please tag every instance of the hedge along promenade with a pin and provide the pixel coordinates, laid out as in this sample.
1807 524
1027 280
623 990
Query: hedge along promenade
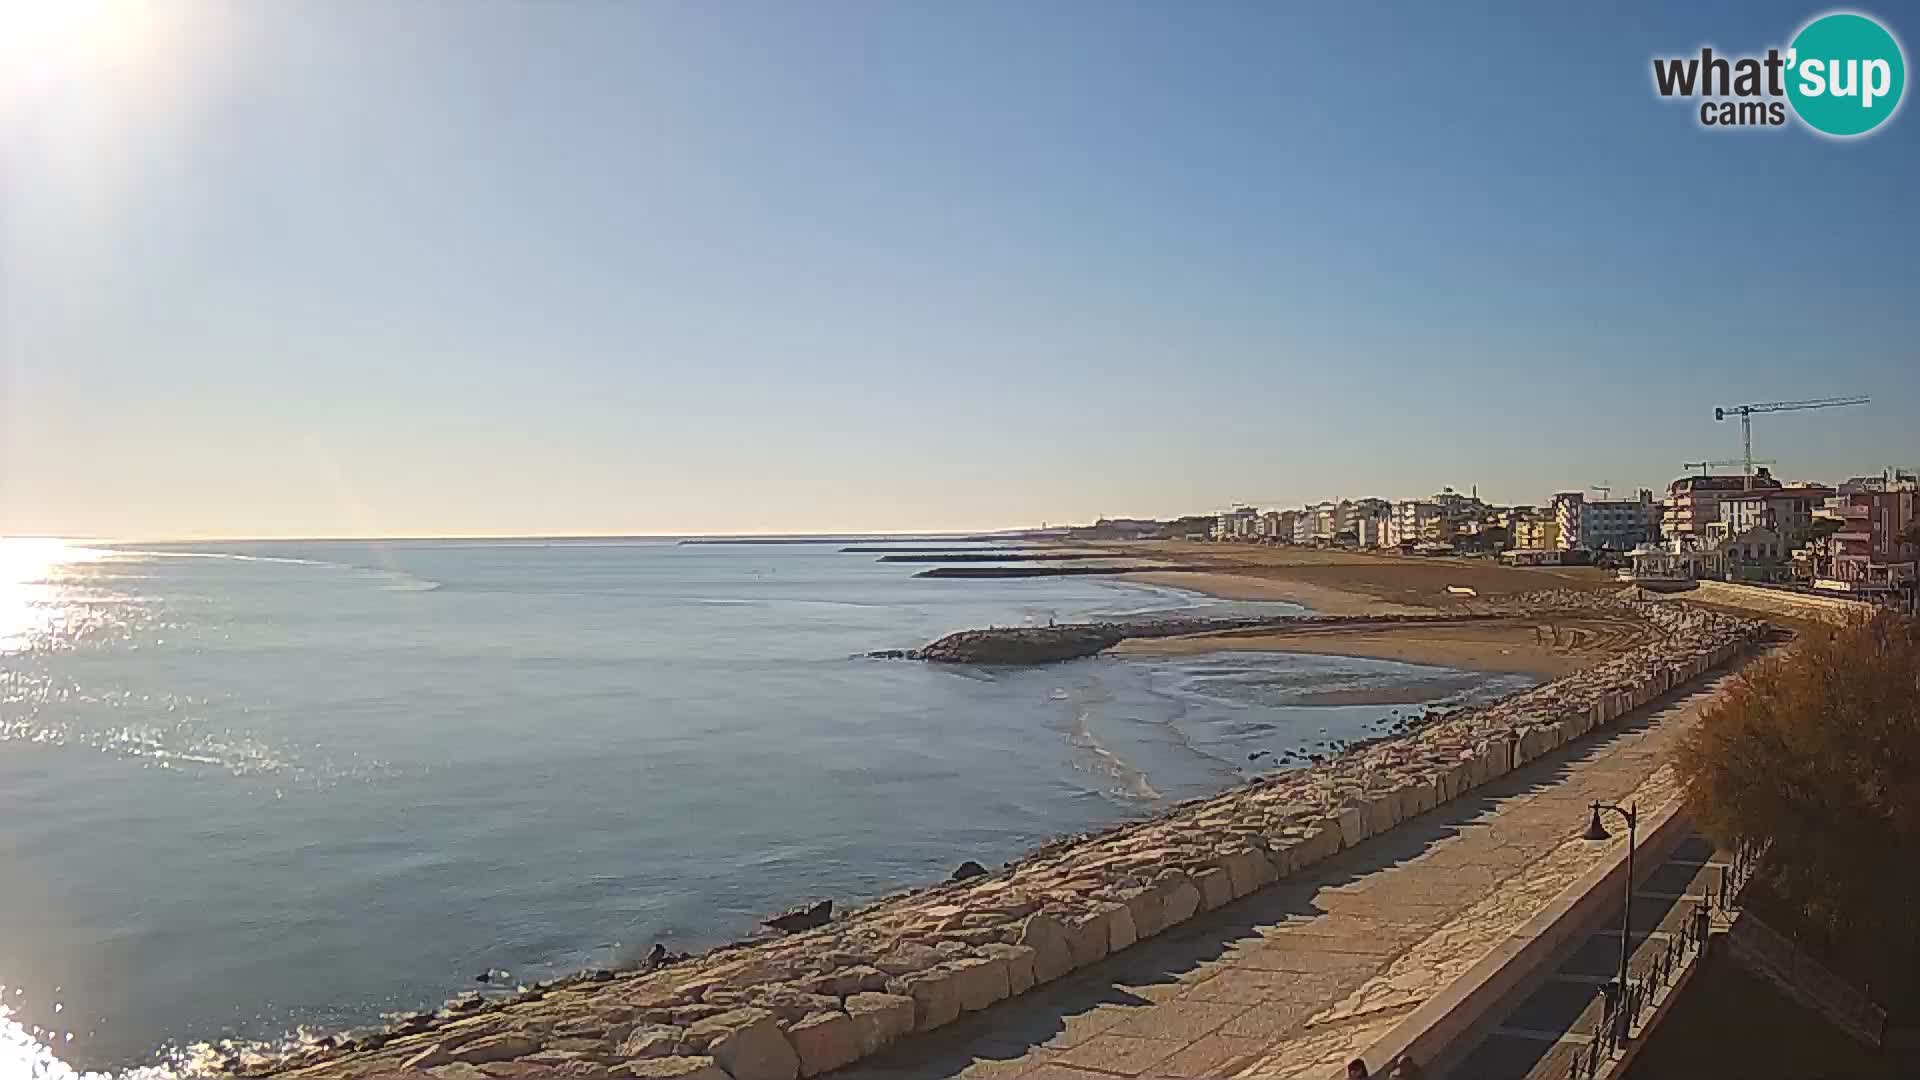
803 1005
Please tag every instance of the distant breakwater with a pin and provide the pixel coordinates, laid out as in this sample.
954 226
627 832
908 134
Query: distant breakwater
1027 645
1006 556
1056 571
700 541
923 549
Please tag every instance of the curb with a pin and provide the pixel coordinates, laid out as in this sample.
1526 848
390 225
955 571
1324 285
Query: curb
1436 1026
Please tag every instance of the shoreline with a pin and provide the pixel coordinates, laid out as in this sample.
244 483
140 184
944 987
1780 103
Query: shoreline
1225 585
1503 646
1507 646
1510 646
918 959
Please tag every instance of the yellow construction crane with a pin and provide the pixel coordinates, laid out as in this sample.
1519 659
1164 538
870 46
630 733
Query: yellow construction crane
1745 413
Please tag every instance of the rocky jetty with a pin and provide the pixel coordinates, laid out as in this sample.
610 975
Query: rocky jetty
1071 641
1022 645
804 1004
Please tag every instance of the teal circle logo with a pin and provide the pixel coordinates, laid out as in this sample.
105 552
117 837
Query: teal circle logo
1845 74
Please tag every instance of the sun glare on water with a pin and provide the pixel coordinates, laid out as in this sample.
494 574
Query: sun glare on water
32 569
34 574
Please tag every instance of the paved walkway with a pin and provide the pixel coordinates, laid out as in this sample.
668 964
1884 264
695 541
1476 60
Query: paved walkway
1303 975
1538 1033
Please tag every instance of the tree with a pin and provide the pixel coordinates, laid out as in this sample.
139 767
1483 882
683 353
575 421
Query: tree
1818 751
1820 529
1911 534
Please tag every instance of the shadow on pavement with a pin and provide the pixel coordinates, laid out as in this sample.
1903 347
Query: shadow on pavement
1088 1002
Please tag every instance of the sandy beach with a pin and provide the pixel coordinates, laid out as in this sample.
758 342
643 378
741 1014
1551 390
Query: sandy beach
1502 645
1336 582
1354 583
1324 599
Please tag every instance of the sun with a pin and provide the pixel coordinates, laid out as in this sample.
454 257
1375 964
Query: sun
55 40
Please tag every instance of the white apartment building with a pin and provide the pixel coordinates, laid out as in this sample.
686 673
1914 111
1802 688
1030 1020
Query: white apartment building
1303 526
1240 523
1278 525
1610 524
1370 530
1416 521
1787 510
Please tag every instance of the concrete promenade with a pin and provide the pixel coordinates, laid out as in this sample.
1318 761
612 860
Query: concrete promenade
1298 977
1539 1031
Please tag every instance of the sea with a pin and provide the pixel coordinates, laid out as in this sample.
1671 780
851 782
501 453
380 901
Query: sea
250 791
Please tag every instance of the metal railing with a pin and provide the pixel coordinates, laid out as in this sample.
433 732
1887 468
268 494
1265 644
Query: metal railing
1744 861
1623 1008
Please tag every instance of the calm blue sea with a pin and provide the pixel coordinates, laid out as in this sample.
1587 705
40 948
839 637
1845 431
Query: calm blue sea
248 787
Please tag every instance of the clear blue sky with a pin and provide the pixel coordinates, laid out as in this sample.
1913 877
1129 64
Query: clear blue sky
353 268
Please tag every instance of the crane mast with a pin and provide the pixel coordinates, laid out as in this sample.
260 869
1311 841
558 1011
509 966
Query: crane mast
1745 412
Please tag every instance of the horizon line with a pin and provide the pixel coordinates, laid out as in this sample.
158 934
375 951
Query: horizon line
369 538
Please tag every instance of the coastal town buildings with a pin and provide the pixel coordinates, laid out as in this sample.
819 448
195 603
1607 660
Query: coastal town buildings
1328 521
1890 479
1756 553
1877 545
1673 562
1694 501
1863 536
1789 509
1367 520
1277 525
1303 527
1457 507
1122 529
1368 530
1605 524
1535 532
1322 522
1240 523
1533 557
1417 521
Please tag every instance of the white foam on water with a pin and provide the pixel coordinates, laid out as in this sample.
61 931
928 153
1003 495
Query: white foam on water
145 554
1129 782
31 1052
393 580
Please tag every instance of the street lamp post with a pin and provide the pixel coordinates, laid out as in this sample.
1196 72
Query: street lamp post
1597 831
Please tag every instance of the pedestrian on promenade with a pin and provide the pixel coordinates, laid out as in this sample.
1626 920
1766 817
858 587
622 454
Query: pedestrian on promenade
1357 1069
1407 1069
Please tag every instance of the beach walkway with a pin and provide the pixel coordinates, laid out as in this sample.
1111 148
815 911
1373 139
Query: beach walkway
1299 977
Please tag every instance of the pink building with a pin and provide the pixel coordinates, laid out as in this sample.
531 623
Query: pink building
1871 549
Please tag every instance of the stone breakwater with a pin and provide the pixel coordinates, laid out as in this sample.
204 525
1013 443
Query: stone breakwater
1070 641
1056 571
805 1004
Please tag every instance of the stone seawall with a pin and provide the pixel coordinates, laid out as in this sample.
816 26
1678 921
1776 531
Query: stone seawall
803 1005
1828 609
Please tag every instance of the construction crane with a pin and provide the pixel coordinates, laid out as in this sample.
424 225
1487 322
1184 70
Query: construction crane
1726 463
1745 412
